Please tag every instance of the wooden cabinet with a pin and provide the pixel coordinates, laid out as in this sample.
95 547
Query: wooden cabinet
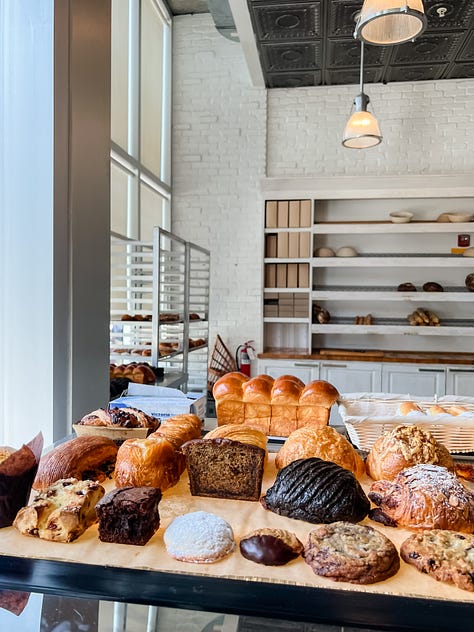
351 377
460 381
306 370
412 379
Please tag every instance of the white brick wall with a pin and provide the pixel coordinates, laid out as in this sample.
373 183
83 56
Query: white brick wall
426 127
222 138
219 136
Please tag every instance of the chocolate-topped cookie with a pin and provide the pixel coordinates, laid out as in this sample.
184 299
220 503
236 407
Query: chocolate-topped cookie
348 552
272 547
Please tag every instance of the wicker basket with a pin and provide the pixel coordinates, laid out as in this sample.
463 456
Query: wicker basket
222 362
367 416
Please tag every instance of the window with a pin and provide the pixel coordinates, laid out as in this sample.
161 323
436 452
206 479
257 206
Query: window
140 118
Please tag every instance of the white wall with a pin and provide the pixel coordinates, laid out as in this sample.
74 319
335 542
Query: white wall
218 136
220 153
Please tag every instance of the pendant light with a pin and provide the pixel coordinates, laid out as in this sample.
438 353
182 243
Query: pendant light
388 22
362 130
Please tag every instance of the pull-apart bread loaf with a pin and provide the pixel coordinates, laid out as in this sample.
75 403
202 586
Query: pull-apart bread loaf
317 491
227 463
402 447
156 461
62 511
323 442
227 392
274 406
85 458
285 398
424 497
315 403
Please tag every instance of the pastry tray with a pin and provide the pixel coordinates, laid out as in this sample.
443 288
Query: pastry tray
368 415
149 575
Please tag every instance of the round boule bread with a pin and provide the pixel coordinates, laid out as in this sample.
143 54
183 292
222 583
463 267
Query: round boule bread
200 537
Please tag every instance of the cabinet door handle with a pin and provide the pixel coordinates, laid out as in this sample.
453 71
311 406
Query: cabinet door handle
310 364
431 370
461 370
341 366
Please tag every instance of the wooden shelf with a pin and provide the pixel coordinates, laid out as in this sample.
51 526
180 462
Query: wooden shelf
403 330
407 297
365 228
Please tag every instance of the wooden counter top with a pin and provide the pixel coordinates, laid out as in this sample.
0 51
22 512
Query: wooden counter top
409 357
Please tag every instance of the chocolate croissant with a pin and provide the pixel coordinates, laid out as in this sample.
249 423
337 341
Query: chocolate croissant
85 458
424 496
317 491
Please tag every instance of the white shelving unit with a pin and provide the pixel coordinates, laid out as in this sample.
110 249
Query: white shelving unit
350 211
155 287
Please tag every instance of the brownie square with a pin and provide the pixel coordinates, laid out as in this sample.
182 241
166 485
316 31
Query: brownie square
129 515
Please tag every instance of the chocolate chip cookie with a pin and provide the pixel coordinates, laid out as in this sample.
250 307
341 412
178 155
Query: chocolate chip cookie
347 552
447 556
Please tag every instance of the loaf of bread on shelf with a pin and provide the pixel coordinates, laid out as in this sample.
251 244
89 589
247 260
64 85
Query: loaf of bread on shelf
179 429
227 463
285 397
323 442
228 394
402 447
315 404
257 398
85 458
409 409
150 462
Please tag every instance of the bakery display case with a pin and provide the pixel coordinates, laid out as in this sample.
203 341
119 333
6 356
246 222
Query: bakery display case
159 307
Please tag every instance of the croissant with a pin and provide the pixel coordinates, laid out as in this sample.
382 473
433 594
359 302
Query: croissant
85 458
323 442
150 462
179 429
402 447
424 497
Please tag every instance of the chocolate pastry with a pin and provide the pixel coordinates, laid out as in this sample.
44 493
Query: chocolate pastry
424 496
272 547
469 281
432 286
321 315
317 491
406 287
354 553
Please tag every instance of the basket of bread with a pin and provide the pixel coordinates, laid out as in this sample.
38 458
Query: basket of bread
367 416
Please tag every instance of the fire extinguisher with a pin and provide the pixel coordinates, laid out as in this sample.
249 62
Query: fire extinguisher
243 356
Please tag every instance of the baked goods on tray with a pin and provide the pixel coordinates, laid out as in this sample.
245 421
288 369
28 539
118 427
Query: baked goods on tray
424 497
62 511
120 418
227 463
447 556
149 462
271 547
353 553
402 447
200 537
323 442
179 429
129 515
317 491
274 406
84 458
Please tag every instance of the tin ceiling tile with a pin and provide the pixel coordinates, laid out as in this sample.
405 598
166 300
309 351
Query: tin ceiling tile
293 79
448 15
281 57
428 48
348 76
294 21
467 51
461 71
342 17
422 72
347 53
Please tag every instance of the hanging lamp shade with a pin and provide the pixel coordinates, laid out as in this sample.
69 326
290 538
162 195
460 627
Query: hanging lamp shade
362 129
388 22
